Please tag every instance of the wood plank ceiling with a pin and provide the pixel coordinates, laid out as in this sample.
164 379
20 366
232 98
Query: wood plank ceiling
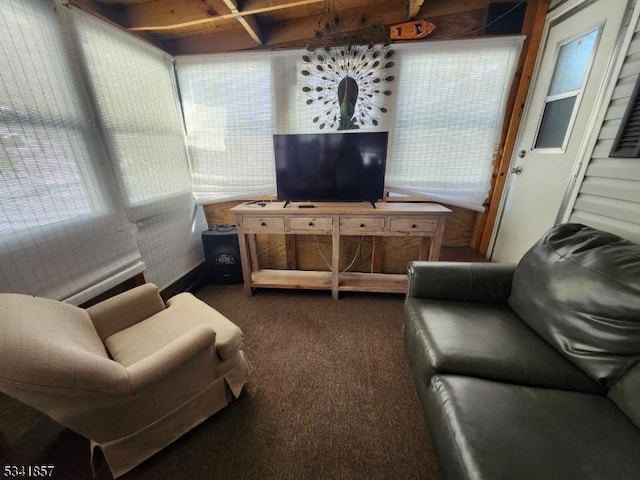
210 26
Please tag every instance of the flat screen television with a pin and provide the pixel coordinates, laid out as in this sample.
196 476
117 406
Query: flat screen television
335 166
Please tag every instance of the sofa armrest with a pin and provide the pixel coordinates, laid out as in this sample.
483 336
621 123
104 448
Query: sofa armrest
460 281
172 357
125 309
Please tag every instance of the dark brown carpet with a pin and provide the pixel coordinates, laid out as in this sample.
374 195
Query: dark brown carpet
331 397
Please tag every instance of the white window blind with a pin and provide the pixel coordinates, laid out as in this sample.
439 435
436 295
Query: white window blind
444 116
61 235
134 90
228 108
451 99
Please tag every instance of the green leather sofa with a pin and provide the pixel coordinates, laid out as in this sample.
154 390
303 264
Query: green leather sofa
531 371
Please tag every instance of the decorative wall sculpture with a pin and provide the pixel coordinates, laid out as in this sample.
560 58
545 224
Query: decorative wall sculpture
347 84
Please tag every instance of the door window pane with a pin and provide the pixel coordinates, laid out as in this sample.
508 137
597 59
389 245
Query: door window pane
569 77
555 122
573 63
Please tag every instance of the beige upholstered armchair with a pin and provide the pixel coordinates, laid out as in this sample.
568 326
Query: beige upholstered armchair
129 374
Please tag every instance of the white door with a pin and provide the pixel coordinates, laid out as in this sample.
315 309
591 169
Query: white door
580 38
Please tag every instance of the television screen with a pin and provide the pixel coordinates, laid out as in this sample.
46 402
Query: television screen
331 166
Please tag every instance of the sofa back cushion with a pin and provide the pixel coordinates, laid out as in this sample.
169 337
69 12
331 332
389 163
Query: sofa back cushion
579 288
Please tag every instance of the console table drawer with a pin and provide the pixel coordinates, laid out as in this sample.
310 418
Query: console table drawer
361 224
263 224
407 225
311 224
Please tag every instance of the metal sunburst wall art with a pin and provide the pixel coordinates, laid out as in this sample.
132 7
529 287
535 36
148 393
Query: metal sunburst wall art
348 84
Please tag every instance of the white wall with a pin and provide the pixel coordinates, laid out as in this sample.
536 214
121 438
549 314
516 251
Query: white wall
609 196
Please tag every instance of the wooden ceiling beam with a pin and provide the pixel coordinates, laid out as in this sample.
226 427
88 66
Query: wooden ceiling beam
304 29
250 24
168 13
252 27
252 7
217 42
439 8
414 7
177 14
291 33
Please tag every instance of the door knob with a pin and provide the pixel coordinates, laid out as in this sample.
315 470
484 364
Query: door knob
517 170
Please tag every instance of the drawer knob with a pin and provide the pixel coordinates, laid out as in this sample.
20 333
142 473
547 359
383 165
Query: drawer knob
263 224
362 225
414 226
311 224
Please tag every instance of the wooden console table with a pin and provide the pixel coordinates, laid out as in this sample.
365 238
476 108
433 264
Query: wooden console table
424 220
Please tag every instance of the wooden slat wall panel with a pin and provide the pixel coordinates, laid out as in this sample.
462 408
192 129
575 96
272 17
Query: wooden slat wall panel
458 230
220 214
271 251
399 251
609 197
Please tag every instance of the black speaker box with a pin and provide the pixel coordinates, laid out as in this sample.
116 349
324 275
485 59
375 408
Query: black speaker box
222 254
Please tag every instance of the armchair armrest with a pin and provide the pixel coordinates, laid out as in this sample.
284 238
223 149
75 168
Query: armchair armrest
125 309
461 281
171 357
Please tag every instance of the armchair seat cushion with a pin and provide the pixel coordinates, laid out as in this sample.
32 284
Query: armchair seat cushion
484 340
485 429
183 313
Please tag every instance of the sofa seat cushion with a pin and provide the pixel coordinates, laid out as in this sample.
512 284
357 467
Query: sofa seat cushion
183 313
491 430
484 340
